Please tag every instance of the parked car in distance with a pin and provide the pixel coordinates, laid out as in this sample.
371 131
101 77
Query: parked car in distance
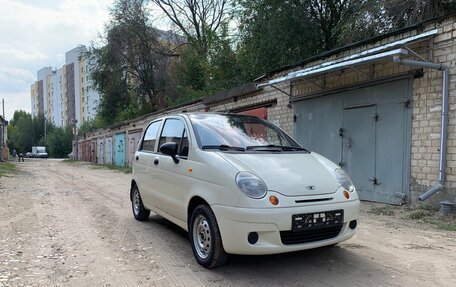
28 154
39 151
240 185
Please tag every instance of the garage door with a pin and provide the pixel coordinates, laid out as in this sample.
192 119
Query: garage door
367 132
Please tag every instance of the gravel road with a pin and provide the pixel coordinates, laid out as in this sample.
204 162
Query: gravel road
65 224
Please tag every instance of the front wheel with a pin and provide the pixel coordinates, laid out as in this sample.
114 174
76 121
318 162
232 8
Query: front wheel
205 238
139 211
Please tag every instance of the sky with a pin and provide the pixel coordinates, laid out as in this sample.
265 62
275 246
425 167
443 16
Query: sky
36 34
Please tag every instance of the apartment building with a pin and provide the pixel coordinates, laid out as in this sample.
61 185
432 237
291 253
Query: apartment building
65 95
89 96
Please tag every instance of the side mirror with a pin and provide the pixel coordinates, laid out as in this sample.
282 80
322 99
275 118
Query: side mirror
170 149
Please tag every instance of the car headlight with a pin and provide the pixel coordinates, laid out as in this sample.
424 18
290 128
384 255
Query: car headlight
251 185
344 180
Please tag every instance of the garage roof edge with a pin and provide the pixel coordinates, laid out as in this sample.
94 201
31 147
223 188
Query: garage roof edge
335 65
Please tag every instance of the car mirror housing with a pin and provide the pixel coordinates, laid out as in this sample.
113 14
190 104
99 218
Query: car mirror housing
170 149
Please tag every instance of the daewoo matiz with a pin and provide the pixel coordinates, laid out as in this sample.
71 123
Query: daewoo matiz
240 185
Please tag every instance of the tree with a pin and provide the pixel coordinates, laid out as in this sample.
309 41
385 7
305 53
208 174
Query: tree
59 142
198 20
330 16
274 33
25 132
208 63
405 13
21 133
130 66
196 75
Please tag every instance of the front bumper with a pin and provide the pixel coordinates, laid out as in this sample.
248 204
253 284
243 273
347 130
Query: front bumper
235 224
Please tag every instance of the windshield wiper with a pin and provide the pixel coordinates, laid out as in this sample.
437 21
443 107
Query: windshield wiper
223 147
272 147
293 148
269 147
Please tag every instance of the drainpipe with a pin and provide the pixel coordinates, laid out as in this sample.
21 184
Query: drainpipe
444 125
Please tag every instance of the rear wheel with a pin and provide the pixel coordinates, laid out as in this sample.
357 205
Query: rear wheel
139 211
205 238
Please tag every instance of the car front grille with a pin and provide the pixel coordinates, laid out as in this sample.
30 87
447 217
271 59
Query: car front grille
306 236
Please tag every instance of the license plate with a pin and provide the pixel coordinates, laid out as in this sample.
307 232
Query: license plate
317 220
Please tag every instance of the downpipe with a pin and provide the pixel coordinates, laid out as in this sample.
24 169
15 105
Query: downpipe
444 123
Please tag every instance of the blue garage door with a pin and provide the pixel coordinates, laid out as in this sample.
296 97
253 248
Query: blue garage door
119 149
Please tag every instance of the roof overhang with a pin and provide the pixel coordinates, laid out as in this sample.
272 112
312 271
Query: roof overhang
377 54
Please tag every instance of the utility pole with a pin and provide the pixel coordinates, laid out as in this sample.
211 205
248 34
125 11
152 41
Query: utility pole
2 135
75 133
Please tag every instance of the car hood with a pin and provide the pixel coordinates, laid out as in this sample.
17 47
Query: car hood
291 174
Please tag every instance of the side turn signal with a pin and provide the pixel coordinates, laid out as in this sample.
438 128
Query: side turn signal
273 200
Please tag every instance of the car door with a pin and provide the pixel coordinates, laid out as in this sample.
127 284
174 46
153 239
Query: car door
143 163
173 178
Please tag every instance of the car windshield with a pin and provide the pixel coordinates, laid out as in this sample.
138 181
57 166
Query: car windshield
240 133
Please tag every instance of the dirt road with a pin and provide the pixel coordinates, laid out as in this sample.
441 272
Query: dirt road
67 224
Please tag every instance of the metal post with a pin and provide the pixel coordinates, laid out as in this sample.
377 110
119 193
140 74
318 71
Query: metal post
75 133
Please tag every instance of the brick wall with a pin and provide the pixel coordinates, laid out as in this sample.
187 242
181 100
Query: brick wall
426 102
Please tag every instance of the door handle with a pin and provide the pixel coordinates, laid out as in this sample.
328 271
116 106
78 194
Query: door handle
156 161
137 157
374 180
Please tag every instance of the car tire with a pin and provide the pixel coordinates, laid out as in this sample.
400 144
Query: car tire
205 238
139 211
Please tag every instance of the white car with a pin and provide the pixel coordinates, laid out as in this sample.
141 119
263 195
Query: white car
240 185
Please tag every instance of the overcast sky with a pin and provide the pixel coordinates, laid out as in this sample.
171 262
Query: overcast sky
36 34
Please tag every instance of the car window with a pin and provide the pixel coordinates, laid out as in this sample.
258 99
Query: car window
174 131
238 131
150 137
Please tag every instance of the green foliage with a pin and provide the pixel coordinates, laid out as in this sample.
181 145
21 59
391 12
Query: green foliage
59 142
25 132
448 224
224 70
6 168
129 68
123 169
91 125
274 33
430 215
197 74
423 212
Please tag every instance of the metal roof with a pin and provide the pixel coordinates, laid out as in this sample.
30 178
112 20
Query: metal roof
375 54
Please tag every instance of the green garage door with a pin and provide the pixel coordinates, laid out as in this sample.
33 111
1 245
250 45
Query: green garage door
367 132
